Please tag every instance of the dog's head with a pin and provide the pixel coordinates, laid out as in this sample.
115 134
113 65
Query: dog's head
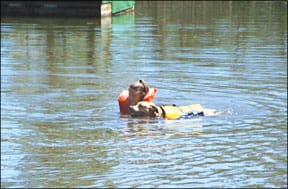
145 109
137 91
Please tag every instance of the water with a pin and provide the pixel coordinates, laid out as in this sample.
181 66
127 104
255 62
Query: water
60 78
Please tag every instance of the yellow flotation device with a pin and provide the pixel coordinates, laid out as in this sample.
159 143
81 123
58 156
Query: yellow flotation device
175 112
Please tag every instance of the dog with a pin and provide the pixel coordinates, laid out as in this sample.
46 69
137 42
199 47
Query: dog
149 109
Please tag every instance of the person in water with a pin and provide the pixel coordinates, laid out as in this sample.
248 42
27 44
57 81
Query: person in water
138 91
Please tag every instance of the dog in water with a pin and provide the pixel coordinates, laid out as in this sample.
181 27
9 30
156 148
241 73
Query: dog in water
151 110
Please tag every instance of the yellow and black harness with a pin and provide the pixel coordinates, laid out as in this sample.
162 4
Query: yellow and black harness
176 112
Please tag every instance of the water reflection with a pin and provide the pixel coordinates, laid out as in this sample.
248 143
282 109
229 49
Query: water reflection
63 160
60 79
162 128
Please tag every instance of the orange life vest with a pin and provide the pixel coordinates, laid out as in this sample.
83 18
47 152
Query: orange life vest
123 99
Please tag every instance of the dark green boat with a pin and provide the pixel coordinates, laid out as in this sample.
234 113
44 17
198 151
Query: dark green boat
54 8
119 7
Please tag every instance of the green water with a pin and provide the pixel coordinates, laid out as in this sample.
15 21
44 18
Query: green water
60 79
